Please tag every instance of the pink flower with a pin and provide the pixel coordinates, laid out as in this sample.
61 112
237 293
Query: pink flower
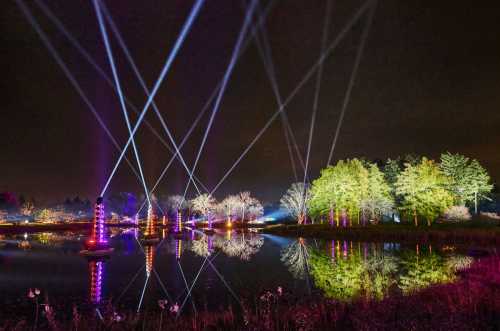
280 290
31 295
162 304
37 291
116 317
175 308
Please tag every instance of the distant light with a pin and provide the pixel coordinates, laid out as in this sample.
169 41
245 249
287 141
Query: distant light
25 236
26 221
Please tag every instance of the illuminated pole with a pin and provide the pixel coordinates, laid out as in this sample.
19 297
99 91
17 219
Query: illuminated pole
97 238
165 220
150 229
178 224
209 221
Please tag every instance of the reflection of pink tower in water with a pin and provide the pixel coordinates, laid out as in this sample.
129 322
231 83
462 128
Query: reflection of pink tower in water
149 252
96 270
97 239
178 249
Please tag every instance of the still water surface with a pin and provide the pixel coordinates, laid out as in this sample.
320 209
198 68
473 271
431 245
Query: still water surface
221 269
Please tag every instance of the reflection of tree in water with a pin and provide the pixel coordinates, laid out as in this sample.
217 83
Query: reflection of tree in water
242 247
200 246
422 270
350 274
295 256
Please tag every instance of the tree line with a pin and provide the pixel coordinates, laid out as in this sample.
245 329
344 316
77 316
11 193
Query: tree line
356 190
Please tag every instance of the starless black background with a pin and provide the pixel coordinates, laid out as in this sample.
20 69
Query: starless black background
429 81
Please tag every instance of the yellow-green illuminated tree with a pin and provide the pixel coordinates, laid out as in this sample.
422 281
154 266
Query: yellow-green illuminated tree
341 188
469 181
378 199
423 190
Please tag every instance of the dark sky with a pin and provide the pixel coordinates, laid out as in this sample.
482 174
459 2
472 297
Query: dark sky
429 81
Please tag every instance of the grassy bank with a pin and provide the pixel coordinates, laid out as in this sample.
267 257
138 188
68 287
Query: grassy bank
477 232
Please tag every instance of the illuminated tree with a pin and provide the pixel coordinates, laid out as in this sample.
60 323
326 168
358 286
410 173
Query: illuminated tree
469 181
204 204
245 202
255 211
423 190
27 208
229 206
341 188
177 202
378 199
296 201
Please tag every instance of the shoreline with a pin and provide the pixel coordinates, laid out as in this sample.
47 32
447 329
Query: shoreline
456 233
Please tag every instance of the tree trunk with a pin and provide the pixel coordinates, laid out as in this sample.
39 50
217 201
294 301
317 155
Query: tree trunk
337 219
415 217
428 222
475 203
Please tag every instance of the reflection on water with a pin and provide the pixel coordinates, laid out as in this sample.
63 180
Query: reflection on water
215 270
346 270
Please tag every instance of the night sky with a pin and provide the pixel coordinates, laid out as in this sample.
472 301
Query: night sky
428 82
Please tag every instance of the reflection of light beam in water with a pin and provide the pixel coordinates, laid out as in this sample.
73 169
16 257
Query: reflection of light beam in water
225 283
347 95
187 287
109 52
128 285
194 282
222 90
162 285
347 27
71 78
180 39
142 294
143 84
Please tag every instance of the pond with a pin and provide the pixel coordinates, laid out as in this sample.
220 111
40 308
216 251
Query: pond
214 271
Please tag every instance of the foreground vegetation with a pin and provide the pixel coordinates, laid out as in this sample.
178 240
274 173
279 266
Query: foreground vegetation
470 303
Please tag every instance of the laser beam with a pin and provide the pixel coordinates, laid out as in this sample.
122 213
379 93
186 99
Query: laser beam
347 95
225 80
347 27
119 90
71 78
131 61
178 43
